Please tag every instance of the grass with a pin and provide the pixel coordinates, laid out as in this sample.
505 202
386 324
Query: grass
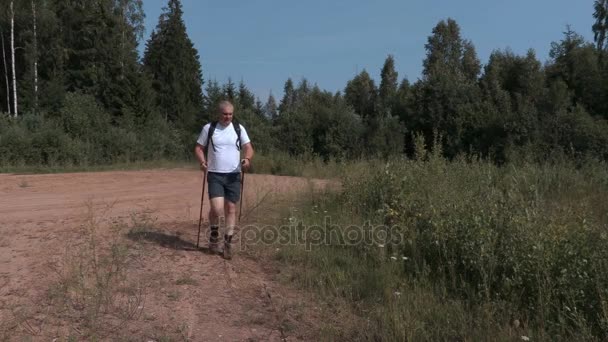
276 163
186 280
139 165
483 252
95 290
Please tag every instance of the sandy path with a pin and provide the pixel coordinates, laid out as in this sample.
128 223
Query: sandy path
226 301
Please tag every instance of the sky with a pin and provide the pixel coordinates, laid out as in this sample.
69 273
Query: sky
328 42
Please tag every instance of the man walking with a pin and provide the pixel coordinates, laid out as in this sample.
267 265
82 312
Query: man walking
223 141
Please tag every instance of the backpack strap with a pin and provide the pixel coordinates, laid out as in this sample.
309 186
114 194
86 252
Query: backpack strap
209 135
237 129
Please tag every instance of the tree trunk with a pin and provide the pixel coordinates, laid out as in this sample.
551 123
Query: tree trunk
8 86
15 106
35 59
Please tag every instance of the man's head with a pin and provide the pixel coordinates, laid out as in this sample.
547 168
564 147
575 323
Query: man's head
226 110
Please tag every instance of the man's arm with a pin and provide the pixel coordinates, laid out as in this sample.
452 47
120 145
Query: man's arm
200 155
247 155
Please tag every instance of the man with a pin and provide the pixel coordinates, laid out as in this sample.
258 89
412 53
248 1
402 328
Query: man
223 164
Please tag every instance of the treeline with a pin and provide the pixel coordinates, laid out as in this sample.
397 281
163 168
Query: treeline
80 94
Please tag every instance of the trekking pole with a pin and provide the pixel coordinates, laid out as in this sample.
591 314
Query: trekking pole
200 215
242 188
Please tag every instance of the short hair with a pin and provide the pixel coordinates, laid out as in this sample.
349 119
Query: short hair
225 104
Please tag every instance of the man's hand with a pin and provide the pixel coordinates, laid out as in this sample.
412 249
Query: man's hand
245 163
203 166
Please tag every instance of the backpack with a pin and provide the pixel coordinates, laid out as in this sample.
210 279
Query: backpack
237 129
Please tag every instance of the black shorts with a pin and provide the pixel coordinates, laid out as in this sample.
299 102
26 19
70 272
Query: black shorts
227 185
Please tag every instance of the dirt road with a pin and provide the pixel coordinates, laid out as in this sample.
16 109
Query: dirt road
190 295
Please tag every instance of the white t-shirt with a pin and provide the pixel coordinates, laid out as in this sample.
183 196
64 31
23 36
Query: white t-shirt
225 157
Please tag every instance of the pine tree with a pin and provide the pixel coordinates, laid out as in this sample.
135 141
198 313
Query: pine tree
388 83
289 95
259 108
270 108
173 65
246 99
214 95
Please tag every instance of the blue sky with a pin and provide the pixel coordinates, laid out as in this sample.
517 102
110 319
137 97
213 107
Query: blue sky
266 41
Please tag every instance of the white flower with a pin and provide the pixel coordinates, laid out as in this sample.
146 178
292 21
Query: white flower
525 338
394 258
405 258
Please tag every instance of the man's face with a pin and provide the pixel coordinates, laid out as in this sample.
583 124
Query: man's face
226 113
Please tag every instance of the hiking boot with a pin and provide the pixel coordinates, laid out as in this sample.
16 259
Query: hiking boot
214 246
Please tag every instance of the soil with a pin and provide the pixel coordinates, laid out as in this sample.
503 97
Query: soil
189 294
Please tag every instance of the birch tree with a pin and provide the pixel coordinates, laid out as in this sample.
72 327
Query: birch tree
15 106
8 87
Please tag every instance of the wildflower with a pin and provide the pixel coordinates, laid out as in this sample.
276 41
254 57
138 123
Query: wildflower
525 338
405 258
394 258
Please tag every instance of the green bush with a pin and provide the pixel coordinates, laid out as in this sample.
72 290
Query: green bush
531 236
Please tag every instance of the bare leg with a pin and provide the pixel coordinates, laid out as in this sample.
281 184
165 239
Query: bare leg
216 219
230 212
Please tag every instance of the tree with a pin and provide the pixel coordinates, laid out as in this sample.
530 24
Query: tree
230 92
336 130
388 83
600 27
131 25
270 108
448 87
575 62
14 74
8 89
403 101
213 96
174 67
513 92
302 91
289 97
245 97
448 52
259 108
35 55
361 94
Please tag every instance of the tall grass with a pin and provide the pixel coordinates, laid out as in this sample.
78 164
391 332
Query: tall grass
485 252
